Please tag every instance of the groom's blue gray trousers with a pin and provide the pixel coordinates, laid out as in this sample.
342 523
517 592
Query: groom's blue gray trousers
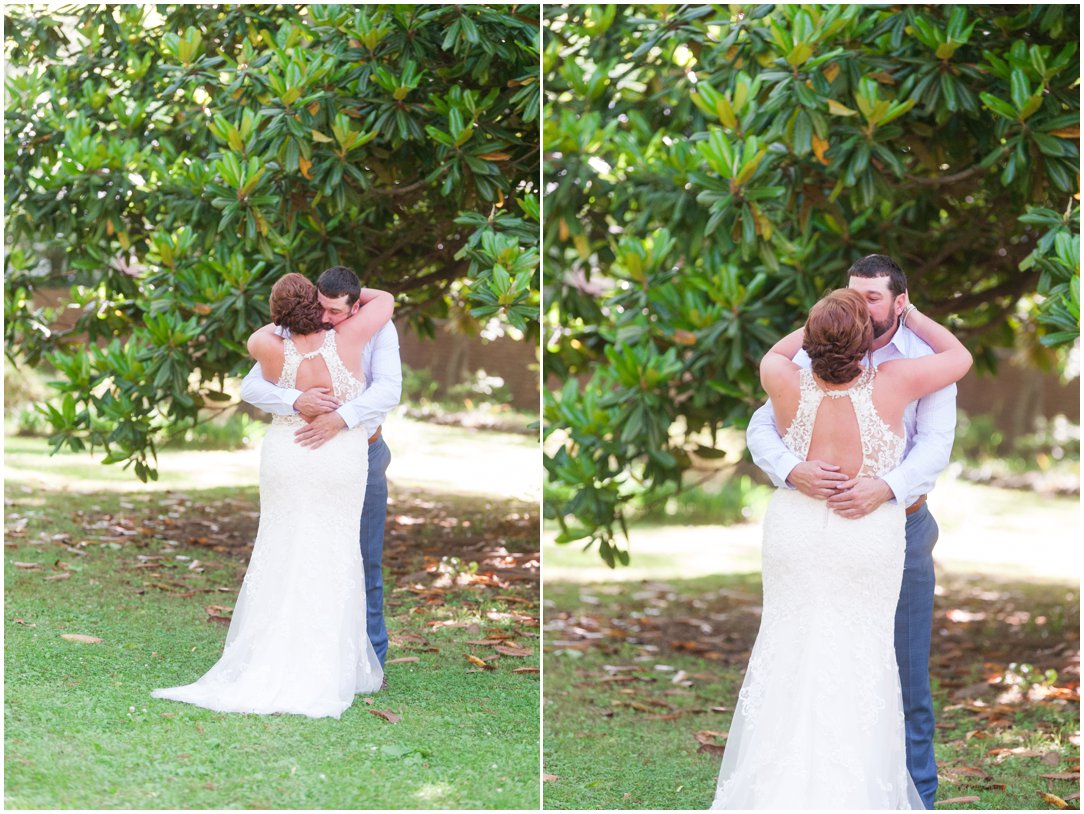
914 620
373 514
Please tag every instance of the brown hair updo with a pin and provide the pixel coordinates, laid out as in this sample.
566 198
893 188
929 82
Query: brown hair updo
838 333
294 305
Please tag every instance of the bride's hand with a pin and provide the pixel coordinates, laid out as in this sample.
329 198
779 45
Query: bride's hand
907 306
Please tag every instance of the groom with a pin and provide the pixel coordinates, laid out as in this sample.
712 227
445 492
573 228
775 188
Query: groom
929 424
339 289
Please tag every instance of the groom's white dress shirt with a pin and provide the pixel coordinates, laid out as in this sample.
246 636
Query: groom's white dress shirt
383 375
929 425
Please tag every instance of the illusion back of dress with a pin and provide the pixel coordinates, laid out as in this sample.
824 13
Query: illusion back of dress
344 386
882 449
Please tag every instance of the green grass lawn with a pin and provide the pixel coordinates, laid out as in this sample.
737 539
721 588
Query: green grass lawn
642 677
140 571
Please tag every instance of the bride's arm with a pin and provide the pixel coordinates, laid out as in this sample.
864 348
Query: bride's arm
376 310
266 348
948 364
778 366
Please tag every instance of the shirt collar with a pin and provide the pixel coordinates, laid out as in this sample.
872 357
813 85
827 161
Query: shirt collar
900 345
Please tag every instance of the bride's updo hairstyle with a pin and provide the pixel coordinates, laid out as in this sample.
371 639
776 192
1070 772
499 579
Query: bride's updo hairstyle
838 333
294 305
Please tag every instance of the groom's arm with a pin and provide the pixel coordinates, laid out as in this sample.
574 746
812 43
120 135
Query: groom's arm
385 388
767 448
259 392
935 428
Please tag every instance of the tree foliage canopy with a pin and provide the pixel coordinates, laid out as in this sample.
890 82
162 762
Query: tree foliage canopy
711 170
173 161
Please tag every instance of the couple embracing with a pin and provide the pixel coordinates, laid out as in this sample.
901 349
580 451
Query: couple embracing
308 629
835 710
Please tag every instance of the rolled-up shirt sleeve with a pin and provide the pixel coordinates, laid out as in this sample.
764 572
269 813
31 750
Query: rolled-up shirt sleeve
385 386
935 422
767 447
259 392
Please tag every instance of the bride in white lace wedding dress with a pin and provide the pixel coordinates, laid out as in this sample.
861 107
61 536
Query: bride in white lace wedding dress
819 719
297 642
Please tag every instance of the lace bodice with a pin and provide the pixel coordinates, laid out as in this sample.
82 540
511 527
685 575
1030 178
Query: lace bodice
344 385
882 449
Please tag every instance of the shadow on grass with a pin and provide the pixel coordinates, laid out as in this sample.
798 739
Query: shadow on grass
154 575
641 680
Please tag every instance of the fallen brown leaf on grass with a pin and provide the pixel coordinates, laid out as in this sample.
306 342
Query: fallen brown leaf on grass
61 575
24 622
479 663
387 715
957 801
79 637
29 566
708 741
217 613
513 599
1019 751
1062 776
1053 799
549 778
525 670
969 771
512 650
404 660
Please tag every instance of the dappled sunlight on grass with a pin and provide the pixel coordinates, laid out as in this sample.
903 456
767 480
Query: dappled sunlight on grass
446 458
646 674
151 579
433 794
984 529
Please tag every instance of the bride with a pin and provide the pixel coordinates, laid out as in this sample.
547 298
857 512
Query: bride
297 642
819 720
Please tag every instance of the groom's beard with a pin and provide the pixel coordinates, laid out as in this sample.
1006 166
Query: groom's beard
881 328
328 326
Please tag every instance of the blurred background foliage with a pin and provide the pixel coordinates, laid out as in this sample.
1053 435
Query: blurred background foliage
165 164
711 170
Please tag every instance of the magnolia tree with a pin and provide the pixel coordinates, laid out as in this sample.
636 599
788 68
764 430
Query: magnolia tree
165 164
710 171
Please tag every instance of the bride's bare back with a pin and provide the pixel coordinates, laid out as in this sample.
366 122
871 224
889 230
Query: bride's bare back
836 436
840 424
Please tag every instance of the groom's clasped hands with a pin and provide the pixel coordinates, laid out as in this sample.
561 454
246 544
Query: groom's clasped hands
851 498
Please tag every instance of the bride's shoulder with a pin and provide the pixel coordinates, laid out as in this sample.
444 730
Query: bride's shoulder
264 339
780 376
895 368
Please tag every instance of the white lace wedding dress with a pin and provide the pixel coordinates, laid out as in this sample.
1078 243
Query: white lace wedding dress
819 719
297 642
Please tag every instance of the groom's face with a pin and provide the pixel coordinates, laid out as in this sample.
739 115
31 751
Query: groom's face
336 310
884 309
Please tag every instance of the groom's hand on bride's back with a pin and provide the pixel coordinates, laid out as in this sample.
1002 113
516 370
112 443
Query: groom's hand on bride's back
859 496
320 430
316 401
817 479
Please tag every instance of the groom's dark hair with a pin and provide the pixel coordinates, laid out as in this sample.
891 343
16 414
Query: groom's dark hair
340 281
879 265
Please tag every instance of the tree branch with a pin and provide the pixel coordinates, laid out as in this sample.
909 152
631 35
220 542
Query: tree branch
1014 287
443 275
944 180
